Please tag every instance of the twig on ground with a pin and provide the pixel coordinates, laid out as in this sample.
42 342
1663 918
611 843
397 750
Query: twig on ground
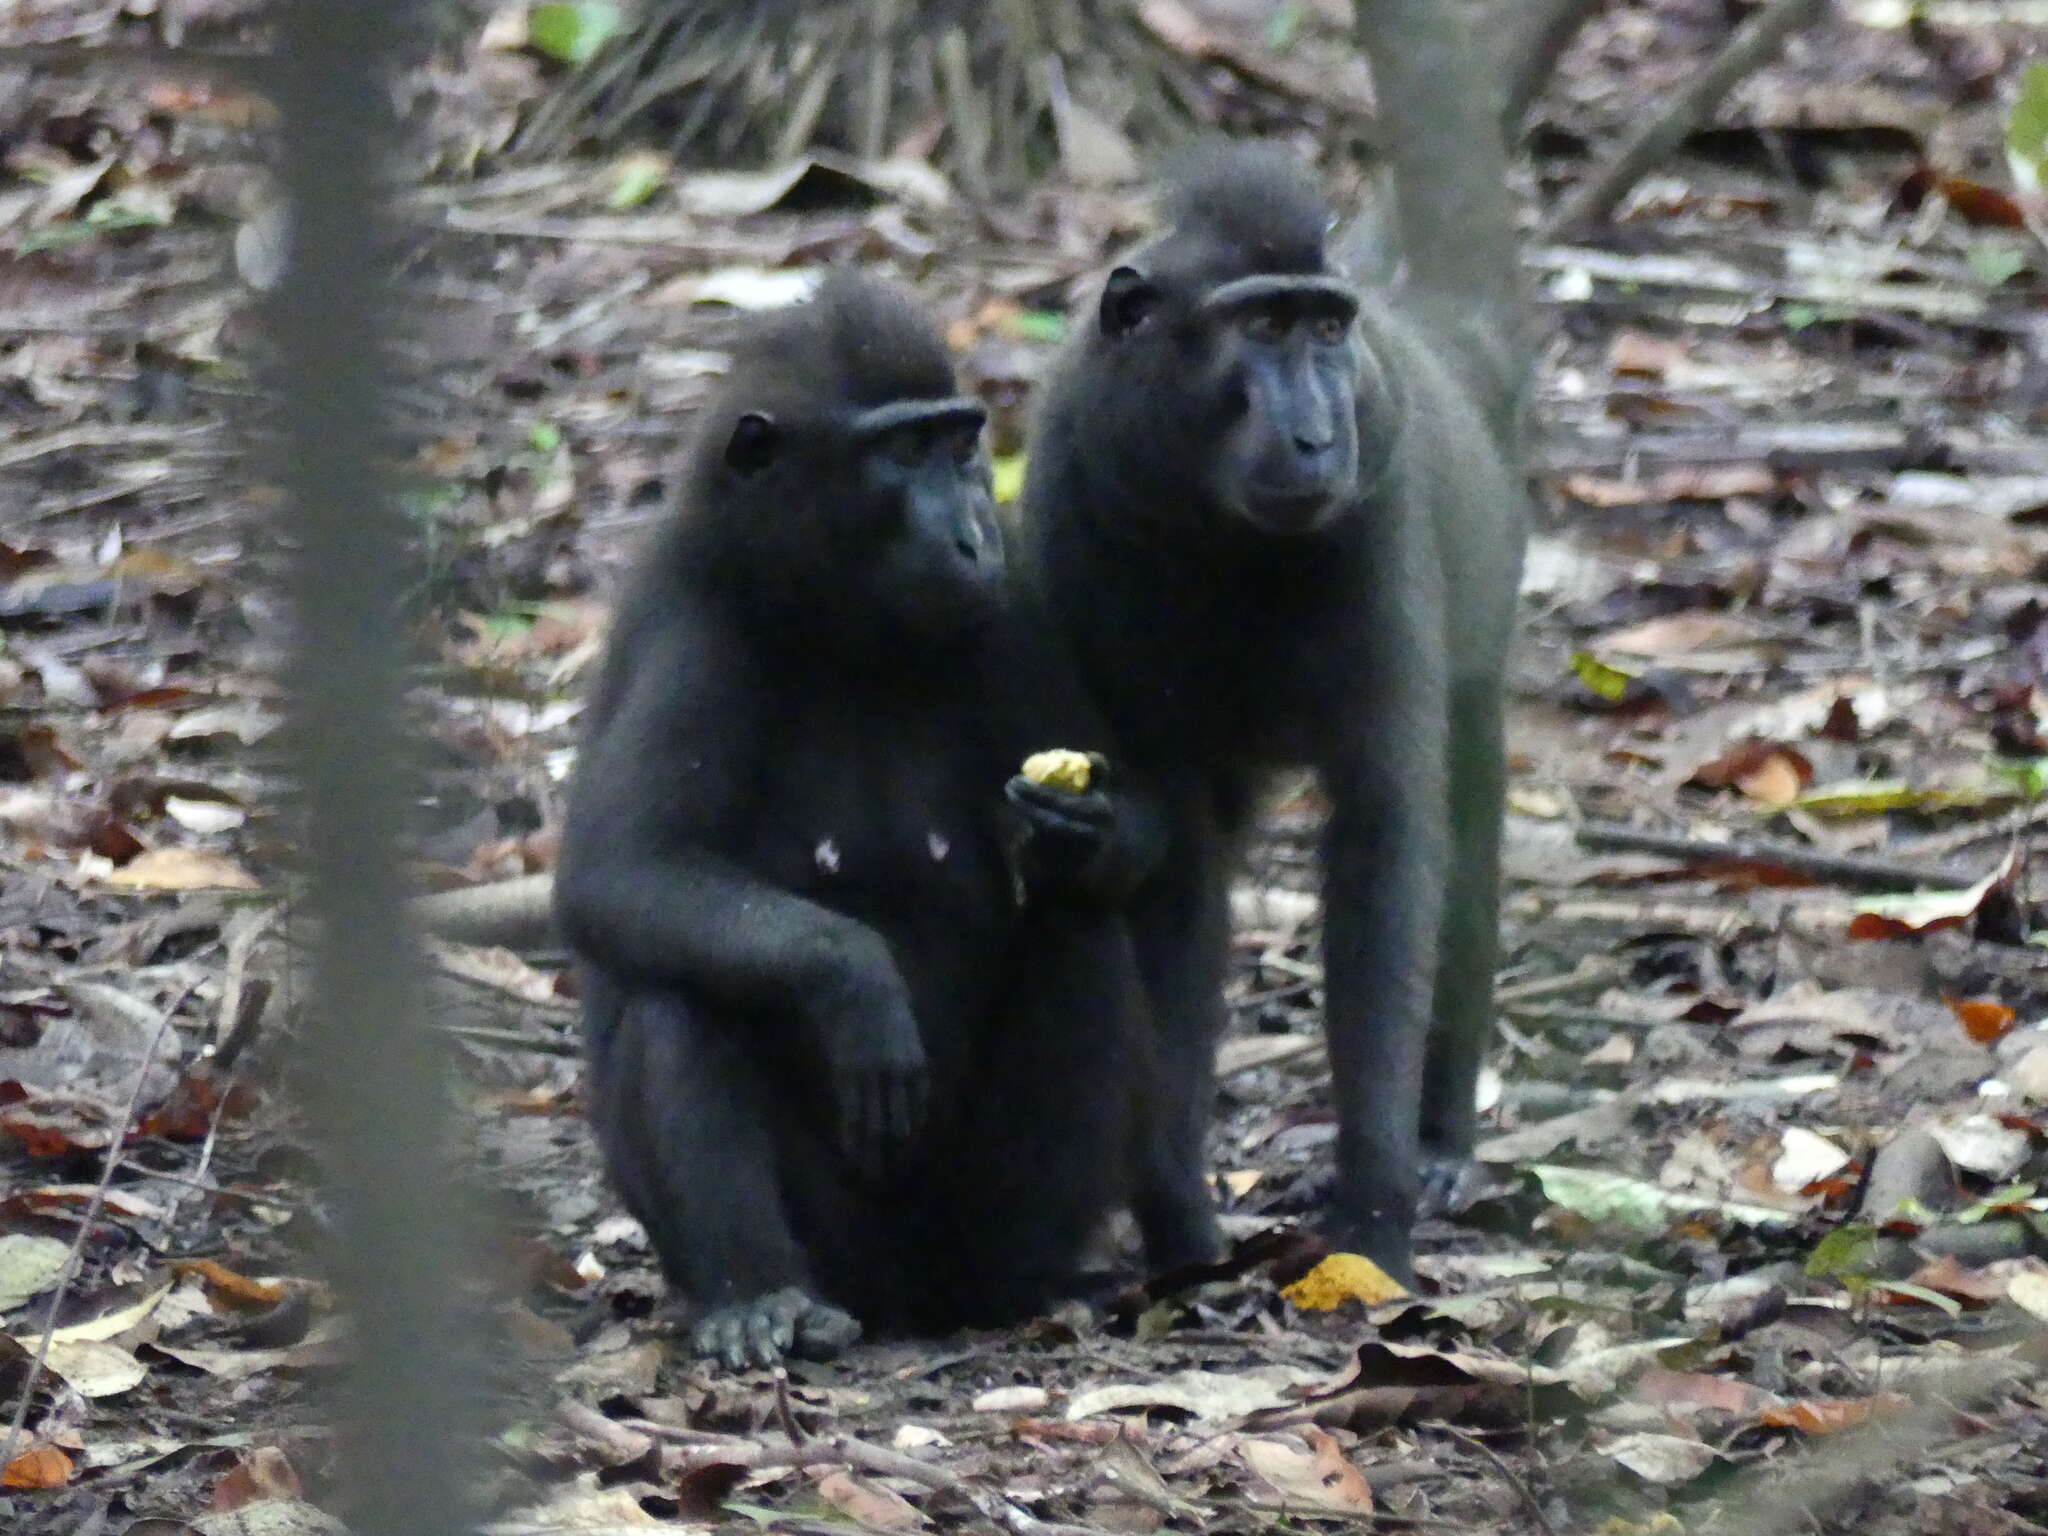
1754 41
1595 971
515 1040
785 1415
1858 870
1507 1473
1706 920
72 1260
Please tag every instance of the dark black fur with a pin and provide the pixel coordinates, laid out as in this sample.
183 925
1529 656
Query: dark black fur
837 1065
1249 586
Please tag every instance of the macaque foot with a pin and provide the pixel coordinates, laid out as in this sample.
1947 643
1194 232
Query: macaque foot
766 1330
1180 1234
1386 1242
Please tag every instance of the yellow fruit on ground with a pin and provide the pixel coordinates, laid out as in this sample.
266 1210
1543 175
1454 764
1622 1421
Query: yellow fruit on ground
1340 1278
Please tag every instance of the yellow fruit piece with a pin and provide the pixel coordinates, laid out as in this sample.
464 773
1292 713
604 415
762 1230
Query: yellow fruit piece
1059 769
1340 1278
1007 473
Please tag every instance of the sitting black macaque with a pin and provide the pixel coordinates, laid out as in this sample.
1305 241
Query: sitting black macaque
1273 524
863 1017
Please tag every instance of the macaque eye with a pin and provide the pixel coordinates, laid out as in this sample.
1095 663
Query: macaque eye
1327 330
753 445
1262 325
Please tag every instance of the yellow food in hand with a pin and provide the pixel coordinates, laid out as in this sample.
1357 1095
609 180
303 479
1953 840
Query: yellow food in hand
1059 769
1006 476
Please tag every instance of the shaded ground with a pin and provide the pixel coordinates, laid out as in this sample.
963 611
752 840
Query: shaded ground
1790 584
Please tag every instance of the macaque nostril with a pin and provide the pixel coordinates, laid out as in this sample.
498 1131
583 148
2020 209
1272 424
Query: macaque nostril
1309 447
969 547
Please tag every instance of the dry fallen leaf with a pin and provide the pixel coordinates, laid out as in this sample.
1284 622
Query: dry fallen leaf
876 1508
1011 1400
497 968
226 1289
182 869
1209 1395
1983 1020
1320 1478
265 1473
40 1466
2028 1290
1893 917
95 1369
1817 1417
1666 1460
1805 1158
1712 482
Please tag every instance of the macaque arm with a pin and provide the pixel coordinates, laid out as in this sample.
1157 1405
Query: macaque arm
642 889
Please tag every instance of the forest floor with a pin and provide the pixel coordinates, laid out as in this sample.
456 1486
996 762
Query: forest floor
1763 1243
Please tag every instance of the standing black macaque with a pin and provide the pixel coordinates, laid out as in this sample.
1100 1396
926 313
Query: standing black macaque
1271 520
862 1015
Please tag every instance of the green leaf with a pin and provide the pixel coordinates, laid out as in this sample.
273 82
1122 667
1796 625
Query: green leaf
1039 325
1947 1304
1610 683
1844 1254
423 502
505 626
1156 1321
1874 797
1999 1202
544 436
572 34
1614 1198
55 237
635 178
1285 26
2026 131
1995 264
2029 775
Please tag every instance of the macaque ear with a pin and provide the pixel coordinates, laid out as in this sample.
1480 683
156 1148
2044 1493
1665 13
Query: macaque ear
1127 298
753 445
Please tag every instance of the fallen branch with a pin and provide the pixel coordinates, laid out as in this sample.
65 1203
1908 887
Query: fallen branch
1857 870
1940 844
1762 35
1706 920
514 913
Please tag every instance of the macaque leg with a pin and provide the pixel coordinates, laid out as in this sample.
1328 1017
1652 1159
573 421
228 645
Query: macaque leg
1180 925
699 1145
1382 891
1470 942
1038 1155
